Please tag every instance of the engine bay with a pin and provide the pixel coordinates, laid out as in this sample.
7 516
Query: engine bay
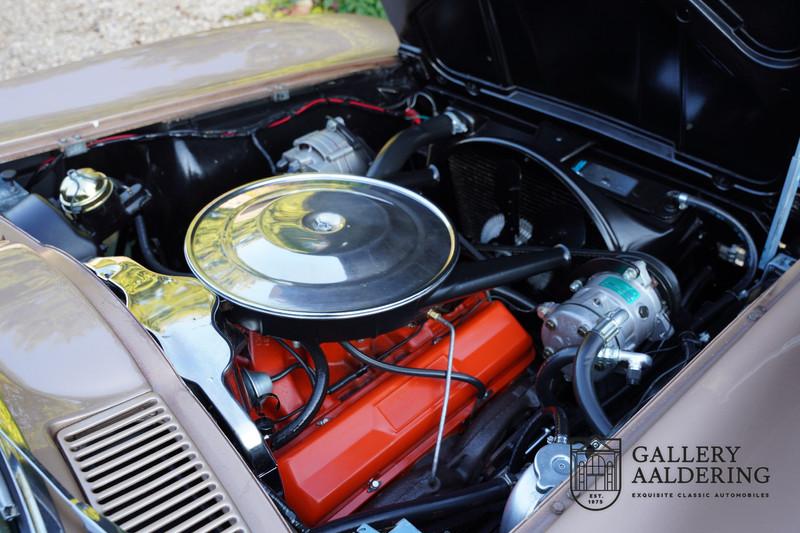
418 299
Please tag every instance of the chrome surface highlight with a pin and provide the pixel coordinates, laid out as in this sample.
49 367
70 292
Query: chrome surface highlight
321 246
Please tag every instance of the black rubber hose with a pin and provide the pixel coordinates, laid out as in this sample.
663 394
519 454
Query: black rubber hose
583 384
427 508
363 369
697 282
416 372
559 418
550 371
474 276
285 372
300 361
751 259
314 403
401 147
287 512
149 256
553 414
515 298
714 310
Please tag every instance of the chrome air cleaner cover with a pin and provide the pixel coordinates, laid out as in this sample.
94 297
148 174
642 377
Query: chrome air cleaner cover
321 247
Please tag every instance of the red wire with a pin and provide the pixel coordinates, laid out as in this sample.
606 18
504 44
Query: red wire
409 113
309 105
46 162
280 121
319 101
111 138
366 106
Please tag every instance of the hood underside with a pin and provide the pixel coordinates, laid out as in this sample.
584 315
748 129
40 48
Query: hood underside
184 76
716 80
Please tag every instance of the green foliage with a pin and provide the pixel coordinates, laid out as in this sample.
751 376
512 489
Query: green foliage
270 8
372 8
280 8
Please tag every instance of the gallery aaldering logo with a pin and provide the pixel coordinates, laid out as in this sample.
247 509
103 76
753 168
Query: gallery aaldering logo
697 472
596 468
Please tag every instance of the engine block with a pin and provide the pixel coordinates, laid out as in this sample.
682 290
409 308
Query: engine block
372 429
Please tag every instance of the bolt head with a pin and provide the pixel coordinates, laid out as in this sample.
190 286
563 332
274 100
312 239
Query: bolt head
576 285
548 351
543 310
630 274
550 324
644 312
583 330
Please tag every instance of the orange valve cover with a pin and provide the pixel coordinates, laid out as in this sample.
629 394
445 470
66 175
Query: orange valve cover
378 434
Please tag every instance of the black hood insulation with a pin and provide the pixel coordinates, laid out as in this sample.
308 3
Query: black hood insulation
711 83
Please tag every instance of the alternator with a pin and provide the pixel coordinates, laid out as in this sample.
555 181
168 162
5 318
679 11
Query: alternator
631 290
334 149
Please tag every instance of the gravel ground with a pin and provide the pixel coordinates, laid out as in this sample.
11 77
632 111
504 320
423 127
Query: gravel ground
40 34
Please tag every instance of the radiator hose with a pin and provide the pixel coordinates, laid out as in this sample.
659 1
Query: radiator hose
401 147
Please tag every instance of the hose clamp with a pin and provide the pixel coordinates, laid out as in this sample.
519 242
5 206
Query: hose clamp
458 125
681 198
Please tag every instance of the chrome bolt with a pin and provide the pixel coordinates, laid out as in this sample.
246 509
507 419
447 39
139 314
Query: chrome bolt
550 324
576 285
630 274
373 485
548 352
545 309
582 331
323 421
